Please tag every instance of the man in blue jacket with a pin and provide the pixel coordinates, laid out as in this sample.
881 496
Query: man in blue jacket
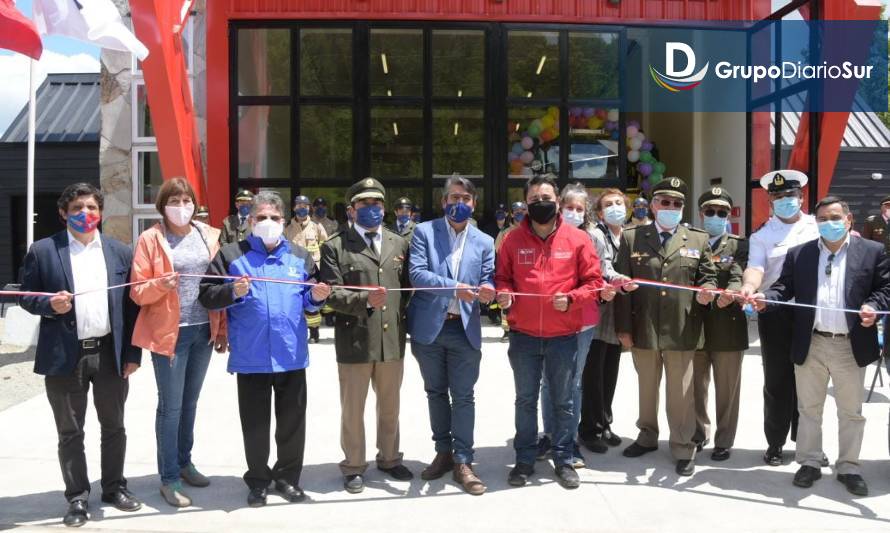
84 339
445 327
268 343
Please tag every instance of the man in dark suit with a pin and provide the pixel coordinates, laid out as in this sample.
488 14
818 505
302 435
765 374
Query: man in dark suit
235 227
876 226
85 332
403 224
835 272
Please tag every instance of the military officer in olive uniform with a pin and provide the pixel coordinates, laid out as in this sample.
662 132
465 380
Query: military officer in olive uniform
305 232
663 327
726 330
403 225
877 227
369 330
235 227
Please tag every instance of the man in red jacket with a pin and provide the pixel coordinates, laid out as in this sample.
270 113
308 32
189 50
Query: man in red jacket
558 265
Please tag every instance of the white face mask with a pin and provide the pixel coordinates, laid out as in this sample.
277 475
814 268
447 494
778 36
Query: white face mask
179 215
573 217
268 230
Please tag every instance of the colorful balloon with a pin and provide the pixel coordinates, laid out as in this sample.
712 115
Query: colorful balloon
588 112
654 179
517 148
633 156
632 131
516 166
647 146
526 144
635 144
644 169
613 115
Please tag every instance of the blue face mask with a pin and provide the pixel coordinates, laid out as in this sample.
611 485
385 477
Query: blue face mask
458 212
641 212
403 219
321 212
715 225
786 207
302 212
369 216
614 214
668 219
244 210
833 230
416 218
518 217
500 215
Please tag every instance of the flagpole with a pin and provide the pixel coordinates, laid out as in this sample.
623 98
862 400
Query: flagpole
32 119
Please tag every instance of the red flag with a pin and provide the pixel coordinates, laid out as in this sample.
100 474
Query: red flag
17 33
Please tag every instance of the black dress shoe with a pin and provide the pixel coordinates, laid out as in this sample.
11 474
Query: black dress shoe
290 492
685 467
773 456
256 497
123 500
567 476
636 450
519 474
596 445
806 475
700 445
77 514
720 454
354 483
854 483
611 439
398 472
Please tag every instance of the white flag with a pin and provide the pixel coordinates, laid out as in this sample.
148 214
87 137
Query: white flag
94 21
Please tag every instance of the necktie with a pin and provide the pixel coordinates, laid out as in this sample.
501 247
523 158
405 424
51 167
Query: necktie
372 236
715 244
665 237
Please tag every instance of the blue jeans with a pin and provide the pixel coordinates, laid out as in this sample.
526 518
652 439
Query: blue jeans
179 383
584 339
530 358
450 365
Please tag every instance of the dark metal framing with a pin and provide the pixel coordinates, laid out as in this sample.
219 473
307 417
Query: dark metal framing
494 104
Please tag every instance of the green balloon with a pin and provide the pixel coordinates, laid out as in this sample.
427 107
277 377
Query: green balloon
654 178
660 167
646 157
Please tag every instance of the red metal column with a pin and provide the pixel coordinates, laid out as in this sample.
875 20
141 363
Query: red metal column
156 23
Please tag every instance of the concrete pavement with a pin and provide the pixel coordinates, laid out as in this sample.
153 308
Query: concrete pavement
645 494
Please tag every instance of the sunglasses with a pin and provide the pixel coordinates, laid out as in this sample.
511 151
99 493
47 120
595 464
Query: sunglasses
828 264
668 203
719 212
273 218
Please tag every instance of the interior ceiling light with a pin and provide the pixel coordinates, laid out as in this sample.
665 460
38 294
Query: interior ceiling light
386 66
456 128
395 128
537 72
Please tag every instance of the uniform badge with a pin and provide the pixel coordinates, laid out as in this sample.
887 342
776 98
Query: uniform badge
717 191
779 180
369 182
692 253
292 272
675 182
562 254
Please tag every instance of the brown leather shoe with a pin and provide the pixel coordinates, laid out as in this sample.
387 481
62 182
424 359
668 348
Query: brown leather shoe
464 475
440 466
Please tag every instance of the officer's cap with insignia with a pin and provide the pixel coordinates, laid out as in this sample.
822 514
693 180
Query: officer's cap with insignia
301 199
319 202
501 207
715 196
670 187
404 201
366 188
244 195
517 205
885 199
783 180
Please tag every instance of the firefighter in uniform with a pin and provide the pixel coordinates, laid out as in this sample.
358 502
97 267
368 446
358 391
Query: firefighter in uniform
235 227
304 232
726 330
663 326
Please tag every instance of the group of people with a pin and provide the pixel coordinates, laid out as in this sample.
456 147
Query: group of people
577 284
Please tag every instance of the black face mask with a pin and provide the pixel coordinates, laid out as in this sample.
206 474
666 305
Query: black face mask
542 211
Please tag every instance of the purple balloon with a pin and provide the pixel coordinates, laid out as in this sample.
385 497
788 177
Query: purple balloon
645 185
647 146
574 111
588 112
644 168
614 135
634 123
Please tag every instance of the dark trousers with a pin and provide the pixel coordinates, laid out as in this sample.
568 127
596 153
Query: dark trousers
68 400
598 389
779 392
255 407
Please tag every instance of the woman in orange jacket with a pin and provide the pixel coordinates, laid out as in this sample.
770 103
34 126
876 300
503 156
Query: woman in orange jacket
176 328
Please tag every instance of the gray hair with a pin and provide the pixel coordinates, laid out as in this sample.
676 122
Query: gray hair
574 191
270 198
457 179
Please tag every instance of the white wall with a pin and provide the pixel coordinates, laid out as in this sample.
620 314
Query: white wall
720 153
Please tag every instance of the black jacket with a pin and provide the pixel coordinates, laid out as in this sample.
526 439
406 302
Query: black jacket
48 269
867 281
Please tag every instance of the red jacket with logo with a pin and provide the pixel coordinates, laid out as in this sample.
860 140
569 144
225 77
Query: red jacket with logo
565 262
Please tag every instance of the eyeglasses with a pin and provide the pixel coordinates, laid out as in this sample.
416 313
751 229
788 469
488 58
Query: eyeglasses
828 264
668 203
719 212
273 218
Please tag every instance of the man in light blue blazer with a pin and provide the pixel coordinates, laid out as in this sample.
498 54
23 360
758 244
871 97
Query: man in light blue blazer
446 333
